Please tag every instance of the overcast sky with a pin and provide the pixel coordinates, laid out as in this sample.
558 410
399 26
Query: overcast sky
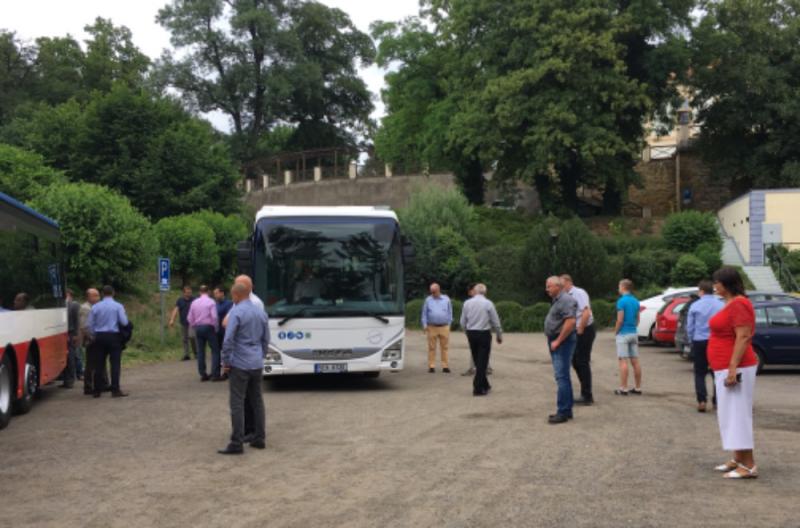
38 18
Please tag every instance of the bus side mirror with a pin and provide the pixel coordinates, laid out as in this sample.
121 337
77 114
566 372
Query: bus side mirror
409 253
244 257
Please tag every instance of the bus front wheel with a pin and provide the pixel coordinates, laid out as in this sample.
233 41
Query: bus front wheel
6 389
372 375
30 386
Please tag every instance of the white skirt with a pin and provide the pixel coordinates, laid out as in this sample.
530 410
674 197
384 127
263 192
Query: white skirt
735 409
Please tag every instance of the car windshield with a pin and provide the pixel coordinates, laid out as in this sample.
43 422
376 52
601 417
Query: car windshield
325 267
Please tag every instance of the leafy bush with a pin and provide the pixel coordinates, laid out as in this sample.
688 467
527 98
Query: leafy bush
604 313
533 319
228 232
648 290
625 245
191 246
457 307
454 264
23 174
689 270
649 266
414 313
106 240
574 250
501 270
541 309
710 254
687 230
430 210
510 314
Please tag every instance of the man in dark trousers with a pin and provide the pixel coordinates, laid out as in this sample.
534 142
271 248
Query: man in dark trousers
181 311
106 322
73 315
478 318
224 306
243 351
584 328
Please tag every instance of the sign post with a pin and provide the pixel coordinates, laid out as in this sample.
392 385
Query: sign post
163 286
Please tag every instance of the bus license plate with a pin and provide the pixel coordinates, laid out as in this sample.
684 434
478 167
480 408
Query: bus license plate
330 368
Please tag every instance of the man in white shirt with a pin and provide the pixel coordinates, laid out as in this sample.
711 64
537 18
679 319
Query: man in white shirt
584 327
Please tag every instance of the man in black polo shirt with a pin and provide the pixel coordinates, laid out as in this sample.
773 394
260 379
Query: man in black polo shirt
182 308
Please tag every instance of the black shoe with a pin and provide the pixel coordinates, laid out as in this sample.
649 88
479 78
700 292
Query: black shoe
480 392
446 370
248 438
231 450
258 444
119 394
637 392
584 401
217 378
205 377
185 358
431 370
557 419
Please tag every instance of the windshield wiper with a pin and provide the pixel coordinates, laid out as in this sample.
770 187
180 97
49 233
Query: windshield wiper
295 315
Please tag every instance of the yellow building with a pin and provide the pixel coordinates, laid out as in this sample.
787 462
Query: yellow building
760 218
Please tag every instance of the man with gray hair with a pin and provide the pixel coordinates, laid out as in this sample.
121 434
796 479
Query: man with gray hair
478 318
559 328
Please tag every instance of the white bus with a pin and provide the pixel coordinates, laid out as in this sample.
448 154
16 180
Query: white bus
331 279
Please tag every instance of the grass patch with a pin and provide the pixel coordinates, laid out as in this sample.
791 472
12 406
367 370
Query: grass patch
144 311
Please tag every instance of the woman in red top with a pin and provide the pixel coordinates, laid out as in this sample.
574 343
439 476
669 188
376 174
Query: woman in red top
731 357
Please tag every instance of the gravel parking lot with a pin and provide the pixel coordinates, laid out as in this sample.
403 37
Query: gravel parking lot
408 449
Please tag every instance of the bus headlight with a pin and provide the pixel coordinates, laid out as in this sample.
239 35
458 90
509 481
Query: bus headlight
393 352
273 357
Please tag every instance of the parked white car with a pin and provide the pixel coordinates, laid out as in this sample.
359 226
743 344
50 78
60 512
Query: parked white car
648 309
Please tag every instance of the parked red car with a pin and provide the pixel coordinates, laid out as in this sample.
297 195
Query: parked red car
667 321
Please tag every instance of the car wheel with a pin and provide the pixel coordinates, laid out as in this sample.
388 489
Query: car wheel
30 387
761 363
372 375
650 334
6 389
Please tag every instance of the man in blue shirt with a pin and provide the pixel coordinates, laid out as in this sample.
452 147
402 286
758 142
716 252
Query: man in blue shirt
106 321
700 312
243 352
223 307
627 338
437 316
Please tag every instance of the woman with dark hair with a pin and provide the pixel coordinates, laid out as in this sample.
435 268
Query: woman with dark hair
731 357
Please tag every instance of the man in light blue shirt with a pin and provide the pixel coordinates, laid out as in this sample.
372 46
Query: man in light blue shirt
700 312
243 351
106 321
437 316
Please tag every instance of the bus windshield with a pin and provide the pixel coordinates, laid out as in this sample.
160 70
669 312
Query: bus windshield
328 267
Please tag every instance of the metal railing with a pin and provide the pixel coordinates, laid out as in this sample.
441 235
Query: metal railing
776 256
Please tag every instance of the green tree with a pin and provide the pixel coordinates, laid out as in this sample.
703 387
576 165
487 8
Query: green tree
228 232
547 91
148 148
23 174
106 240
265 62
689 270
112 57
746 76
59 69
190 244
16 74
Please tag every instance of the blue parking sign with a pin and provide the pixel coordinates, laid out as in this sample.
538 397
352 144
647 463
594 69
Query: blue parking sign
163 274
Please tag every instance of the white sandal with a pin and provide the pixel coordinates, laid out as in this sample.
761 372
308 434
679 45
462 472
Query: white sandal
727 466
751 473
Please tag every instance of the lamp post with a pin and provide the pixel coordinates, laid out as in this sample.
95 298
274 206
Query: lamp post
553 243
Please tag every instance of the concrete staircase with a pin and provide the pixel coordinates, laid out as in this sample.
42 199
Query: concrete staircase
762 277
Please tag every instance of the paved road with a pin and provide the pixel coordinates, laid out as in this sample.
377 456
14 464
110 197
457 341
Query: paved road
410 449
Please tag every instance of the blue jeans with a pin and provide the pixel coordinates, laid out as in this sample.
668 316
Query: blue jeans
562 361
207 334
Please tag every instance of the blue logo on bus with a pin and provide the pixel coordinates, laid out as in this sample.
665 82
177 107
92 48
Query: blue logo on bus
294 335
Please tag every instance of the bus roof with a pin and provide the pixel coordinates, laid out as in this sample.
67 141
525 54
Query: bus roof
21 207
287 211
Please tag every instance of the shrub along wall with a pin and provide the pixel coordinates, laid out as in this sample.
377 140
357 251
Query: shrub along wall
514 317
